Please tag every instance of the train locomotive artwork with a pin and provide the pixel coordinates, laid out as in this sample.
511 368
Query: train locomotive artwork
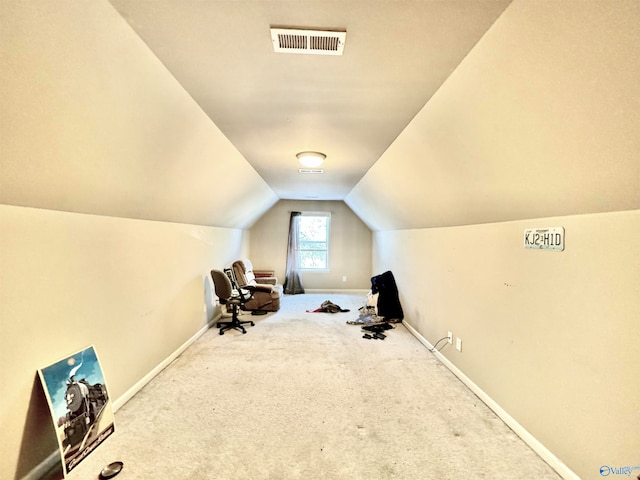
79 402
85 403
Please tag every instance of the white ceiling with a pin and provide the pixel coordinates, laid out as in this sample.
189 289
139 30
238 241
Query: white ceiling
273 105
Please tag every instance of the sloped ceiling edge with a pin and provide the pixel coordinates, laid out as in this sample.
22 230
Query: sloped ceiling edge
518 131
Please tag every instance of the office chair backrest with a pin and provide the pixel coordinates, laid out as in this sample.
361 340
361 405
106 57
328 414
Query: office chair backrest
221 284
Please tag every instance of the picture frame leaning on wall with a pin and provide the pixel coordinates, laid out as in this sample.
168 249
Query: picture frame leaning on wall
79 403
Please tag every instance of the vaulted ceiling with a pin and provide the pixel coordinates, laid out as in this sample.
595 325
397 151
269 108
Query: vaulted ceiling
439 112
274 105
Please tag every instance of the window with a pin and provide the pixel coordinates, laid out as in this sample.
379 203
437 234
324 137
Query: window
313 241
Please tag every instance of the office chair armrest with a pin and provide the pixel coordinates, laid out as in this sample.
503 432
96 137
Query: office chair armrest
242 294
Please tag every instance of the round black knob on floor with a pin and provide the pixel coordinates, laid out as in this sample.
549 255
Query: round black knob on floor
111 470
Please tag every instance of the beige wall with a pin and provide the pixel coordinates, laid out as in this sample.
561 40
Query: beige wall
349 245
134 289
552 337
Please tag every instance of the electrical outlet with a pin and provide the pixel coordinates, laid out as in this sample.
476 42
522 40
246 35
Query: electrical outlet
450 335
344 278
459 344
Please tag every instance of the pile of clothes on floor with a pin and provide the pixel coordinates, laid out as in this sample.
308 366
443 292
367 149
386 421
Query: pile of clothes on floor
382 308
328 307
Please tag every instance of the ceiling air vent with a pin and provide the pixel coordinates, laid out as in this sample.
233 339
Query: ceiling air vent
307 42
310 170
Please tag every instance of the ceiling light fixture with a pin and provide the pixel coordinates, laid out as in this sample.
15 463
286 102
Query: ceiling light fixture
311 159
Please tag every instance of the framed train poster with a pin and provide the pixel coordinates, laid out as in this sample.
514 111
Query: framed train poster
79 403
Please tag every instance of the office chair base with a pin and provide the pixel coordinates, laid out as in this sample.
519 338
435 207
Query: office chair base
234 324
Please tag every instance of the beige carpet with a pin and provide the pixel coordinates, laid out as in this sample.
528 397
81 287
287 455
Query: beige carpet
304 396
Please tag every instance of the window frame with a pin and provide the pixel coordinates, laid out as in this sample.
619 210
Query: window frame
326 215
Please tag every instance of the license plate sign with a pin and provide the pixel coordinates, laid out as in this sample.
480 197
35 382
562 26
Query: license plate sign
551 238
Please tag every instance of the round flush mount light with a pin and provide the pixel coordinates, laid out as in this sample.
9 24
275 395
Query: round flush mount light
311 159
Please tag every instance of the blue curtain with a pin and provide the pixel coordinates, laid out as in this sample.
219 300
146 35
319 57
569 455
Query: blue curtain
292 280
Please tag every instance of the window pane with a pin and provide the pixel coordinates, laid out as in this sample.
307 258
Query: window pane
313 229
309 259
313 242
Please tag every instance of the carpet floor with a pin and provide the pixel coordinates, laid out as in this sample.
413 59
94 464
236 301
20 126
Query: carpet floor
304 396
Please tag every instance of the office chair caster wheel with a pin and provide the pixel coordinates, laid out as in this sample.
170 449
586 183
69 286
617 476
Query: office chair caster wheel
253 324
221 333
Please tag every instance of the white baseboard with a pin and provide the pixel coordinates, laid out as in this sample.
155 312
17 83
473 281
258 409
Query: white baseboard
128 395
544 453
50 462
44 467
346 291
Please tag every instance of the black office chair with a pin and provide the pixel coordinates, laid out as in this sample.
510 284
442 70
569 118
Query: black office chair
227 296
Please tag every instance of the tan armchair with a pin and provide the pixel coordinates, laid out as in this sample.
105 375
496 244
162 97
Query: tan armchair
262 284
